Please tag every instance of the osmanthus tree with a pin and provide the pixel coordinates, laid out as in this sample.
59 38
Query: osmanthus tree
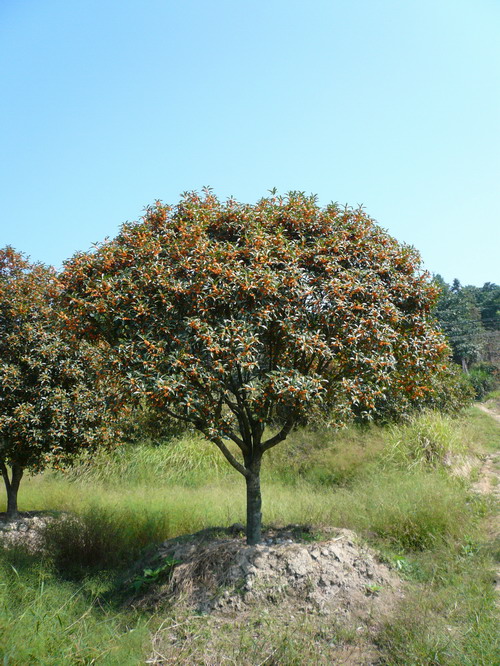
234 317
51 407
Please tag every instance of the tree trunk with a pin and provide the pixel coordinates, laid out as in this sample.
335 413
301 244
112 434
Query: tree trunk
12 488
254 503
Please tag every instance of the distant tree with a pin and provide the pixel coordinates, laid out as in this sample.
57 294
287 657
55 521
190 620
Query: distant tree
50 405
487 299
460 318
231 317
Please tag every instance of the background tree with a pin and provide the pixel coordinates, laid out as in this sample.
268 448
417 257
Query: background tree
231 317
487 299
460 318
469 316
50 404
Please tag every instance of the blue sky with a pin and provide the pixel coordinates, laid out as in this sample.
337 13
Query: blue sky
108 105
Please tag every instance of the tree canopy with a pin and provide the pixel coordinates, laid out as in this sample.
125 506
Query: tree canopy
470 319
50 404
234 317
460 319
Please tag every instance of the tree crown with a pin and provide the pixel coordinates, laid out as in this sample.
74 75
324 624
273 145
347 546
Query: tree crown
50 407
233 316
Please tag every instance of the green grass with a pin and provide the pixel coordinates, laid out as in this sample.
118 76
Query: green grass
427 440
454 622
44 620
480 431
426 523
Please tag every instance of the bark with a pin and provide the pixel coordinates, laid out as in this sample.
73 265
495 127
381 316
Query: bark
254 503
12 487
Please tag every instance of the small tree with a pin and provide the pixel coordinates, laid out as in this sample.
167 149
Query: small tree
232 317
50 405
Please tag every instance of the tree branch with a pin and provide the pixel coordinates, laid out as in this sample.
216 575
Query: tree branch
239 410
238 441
229 456
283 433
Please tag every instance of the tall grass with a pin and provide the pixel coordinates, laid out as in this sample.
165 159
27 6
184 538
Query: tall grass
427 440
423 520
142 495
46 621
453 619
186 460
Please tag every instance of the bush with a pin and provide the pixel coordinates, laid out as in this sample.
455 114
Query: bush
452 392
484 378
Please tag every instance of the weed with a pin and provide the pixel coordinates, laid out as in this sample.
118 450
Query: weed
160 574
372 590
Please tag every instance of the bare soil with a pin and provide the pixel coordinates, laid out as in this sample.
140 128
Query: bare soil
216 572
489 483
295 577
25 530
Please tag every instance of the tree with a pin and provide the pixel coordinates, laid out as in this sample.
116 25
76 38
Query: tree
231 317
459 316
487 299
50 405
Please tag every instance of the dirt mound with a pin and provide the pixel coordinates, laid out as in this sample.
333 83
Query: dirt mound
215 571
24 530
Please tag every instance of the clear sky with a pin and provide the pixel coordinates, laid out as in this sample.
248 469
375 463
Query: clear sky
108 105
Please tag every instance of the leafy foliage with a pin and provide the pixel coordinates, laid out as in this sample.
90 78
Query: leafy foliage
487 298
230 316
484 377
460 318
50 406
470 318
152 576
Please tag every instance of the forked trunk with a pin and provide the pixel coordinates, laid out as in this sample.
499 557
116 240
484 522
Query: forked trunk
12 487
254 504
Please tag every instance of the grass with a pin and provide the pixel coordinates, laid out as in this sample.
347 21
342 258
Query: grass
492 401
427 440
480 431
268 637
44 620
425 522
454 622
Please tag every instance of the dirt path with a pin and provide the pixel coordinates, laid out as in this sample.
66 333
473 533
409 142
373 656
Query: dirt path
493 415
489 483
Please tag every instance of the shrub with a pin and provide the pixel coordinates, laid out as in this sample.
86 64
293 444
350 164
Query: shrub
484 378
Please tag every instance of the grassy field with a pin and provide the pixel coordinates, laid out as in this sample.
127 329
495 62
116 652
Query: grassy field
406 490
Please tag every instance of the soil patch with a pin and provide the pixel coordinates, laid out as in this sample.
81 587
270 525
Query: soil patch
489 484
25 529
214 571
491 412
